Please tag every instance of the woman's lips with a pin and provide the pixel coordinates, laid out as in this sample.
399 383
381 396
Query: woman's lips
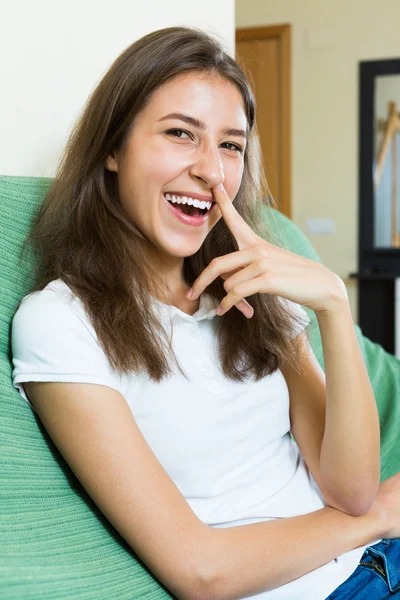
187 219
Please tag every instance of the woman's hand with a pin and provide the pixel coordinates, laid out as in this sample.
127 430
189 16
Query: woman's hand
261 267
386 507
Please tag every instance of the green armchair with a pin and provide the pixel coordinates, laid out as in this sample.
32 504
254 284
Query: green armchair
55 543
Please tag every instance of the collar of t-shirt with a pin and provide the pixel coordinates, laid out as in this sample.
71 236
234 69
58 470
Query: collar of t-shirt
207 308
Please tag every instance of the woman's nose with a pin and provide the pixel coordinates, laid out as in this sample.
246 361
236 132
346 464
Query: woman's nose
208 167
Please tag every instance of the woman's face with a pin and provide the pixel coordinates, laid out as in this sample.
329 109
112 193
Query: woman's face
192 160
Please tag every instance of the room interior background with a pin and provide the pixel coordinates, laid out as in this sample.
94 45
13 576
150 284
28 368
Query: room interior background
54 55
328 41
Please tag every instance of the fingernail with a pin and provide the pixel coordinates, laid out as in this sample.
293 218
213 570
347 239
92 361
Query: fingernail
219 310
189 293
221 187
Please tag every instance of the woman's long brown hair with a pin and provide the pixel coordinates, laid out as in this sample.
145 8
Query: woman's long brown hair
85 238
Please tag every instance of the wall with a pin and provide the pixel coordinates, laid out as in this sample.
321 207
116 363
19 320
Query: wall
329 39
55 53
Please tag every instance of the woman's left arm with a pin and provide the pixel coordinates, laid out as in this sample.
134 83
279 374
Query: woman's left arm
348 463
350 449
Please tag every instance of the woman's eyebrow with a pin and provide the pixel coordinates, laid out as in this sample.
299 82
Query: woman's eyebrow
201 125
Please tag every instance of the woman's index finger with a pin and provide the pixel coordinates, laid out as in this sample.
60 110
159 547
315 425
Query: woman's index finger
242 233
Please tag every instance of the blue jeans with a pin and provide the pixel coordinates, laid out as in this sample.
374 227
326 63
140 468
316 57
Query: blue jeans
377 576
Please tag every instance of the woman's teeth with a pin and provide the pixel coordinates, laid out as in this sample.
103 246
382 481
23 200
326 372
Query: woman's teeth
186 200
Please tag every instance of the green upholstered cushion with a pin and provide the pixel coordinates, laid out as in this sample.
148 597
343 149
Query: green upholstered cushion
54 542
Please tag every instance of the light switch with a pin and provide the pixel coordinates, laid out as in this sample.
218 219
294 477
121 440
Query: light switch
321 226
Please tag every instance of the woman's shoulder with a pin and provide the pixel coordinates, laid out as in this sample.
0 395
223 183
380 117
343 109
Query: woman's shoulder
53 340
55 294
54 309
56 291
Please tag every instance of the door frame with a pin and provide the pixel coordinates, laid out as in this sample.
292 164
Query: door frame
283 34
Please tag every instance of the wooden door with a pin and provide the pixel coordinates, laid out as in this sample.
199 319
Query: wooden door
264 54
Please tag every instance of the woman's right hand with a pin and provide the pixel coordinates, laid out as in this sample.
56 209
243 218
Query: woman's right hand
386 507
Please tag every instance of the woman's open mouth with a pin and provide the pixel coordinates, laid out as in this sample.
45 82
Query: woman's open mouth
184 210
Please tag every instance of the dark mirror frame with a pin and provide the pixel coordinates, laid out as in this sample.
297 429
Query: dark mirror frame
378 268
371 259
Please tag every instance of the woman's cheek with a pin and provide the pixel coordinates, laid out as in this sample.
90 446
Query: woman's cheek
171 162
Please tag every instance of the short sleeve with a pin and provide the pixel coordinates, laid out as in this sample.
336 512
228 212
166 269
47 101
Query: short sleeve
301 319
51 341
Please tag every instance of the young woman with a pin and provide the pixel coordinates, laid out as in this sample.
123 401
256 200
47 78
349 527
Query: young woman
175 416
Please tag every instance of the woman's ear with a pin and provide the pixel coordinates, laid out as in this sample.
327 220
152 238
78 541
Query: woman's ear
111 163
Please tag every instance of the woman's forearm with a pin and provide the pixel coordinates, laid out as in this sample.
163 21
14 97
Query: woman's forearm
350 449
249 559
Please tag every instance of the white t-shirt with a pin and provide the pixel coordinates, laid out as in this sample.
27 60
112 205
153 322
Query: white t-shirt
226 445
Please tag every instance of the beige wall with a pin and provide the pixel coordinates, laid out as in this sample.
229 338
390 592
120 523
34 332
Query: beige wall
329 38
55 53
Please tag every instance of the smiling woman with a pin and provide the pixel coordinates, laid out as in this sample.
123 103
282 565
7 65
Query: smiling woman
125 154
195 160
175 420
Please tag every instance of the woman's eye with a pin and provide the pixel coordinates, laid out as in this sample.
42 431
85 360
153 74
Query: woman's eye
173 132
234 147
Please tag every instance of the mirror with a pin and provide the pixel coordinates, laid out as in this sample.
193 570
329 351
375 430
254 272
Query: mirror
386 161
378 271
